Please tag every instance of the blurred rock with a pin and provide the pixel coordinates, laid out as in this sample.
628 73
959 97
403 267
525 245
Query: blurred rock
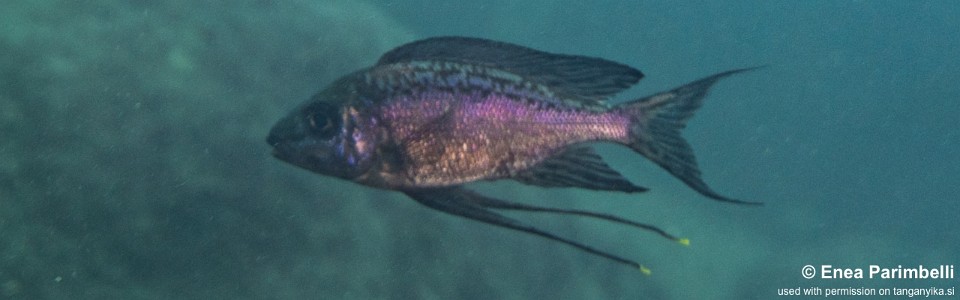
132 162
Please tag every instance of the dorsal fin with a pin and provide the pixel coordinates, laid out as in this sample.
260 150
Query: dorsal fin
571 76
577 166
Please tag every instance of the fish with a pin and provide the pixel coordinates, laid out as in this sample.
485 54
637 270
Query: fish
434 115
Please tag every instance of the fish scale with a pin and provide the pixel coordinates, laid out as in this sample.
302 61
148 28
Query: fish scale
435 115
435 76
504 135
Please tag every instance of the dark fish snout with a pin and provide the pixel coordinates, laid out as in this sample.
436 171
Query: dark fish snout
272 140
286 130
275 140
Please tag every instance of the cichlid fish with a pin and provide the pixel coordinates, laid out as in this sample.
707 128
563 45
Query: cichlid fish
435 114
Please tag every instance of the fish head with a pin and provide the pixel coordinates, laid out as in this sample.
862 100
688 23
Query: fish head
324 137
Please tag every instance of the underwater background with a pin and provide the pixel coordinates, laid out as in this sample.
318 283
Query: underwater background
133 163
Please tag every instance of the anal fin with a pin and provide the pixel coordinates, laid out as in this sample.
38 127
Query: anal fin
577 166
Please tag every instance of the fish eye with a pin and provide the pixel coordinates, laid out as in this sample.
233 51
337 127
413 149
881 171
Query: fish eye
323 123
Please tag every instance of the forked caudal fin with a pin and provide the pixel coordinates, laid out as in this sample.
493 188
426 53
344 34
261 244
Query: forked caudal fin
655 127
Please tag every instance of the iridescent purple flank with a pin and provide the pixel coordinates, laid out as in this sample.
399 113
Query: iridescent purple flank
487 136
439 113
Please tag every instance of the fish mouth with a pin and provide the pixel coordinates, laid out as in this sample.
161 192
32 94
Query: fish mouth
291 154
281 152
279 148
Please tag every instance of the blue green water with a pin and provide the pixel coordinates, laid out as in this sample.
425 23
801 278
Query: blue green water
132 161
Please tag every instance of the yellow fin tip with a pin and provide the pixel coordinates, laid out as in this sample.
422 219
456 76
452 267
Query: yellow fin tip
645 270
